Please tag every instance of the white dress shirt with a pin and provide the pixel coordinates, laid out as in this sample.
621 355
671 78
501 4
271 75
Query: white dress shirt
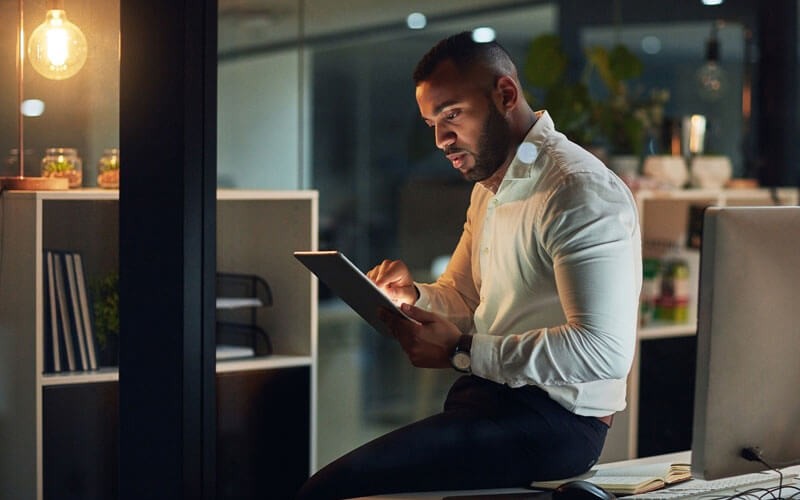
547 276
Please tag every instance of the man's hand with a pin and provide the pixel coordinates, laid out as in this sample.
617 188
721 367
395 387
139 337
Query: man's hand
429 344
394 278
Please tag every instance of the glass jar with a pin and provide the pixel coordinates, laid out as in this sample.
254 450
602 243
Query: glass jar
11 164
108 169
63 162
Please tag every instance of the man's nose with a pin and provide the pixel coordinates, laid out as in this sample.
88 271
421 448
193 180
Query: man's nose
444 137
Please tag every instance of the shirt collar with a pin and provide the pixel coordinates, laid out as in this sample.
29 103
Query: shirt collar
522 165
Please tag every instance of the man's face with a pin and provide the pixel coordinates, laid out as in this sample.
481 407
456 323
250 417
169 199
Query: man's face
470 130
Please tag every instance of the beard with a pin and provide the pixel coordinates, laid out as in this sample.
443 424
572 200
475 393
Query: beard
493 146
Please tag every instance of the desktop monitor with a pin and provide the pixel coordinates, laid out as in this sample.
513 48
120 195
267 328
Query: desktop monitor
747 392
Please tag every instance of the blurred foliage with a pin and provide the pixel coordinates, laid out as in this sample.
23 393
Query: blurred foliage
105 293
617 117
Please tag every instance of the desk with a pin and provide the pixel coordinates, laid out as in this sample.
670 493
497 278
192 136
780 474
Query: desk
520 493
512 492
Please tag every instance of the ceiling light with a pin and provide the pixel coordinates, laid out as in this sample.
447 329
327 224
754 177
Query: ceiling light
712 2
651 45
711 78
32 107
416 21
483 35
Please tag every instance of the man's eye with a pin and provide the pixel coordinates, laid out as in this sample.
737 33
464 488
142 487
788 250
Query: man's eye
450 115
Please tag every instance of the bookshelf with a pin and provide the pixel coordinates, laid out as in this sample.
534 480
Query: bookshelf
664 218
59 430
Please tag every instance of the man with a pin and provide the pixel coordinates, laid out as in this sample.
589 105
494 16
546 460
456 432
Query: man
537 306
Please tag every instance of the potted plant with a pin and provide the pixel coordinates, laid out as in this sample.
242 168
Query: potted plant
568 102
106 318
615 120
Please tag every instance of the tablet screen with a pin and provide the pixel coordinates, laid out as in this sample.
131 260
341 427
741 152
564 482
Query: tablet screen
351 285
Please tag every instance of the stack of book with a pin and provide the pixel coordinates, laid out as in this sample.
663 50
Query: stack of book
69 342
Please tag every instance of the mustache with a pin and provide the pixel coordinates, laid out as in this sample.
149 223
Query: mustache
453 149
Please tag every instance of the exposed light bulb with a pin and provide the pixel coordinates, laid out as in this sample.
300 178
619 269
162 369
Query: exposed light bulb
711 78
57 48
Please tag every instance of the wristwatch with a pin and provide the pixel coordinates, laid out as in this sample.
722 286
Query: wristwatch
460 359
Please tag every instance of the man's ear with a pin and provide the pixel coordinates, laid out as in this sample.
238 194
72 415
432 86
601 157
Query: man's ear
508 93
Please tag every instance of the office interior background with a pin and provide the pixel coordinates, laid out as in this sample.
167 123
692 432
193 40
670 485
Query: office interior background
317 94
386 192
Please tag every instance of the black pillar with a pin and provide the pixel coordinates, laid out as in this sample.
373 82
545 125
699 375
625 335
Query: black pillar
777 93
167 248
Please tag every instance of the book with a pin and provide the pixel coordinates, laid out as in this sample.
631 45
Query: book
629 480
65 327
52 349
76 319
86 317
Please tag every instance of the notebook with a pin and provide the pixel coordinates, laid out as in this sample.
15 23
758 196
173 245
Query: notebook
629 480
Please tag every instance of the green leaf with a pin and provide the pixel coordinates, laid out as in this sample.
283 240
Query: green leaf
570 107
106 307
598 59
624 64
546 61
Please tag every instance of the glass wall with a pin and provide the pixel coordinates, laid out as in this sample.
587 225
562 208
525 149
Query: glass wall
314 95
81 111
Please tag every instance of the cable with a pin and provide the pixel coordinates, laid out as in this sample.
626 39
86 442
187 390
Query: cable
754 454
773 194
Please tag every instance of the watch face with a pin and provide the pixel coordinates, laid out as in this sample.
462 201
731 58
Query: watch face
461 361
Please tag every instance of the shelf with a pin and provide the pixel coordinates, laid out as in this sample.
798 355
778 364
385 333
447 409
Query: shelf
110 374
70 194
107 374
262 363
238 302
666 330
721 195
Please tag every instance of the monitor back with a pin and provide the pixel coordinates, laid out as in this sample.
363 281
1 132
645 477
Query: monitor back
748 340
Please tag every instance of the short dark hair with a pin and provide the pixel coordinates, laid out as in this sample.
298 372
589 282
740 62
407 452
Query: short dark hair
465 53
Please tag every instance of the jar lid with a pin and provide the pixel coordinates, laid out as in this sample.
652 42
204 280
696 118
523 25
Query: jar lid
61 151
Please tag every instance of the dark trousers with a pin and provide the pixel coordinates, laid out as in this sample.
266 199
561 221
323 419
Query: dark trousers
488 436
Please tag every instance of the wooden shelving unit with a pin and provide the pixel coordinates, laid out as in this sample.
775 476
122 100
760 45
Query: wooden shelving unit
264 403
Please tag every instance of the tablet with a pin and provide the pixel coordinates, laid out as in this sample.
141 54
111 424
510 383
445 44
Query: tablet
351 285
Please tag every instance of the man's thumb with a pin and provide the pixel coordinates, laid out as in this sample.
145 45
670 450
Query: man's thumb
418 314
